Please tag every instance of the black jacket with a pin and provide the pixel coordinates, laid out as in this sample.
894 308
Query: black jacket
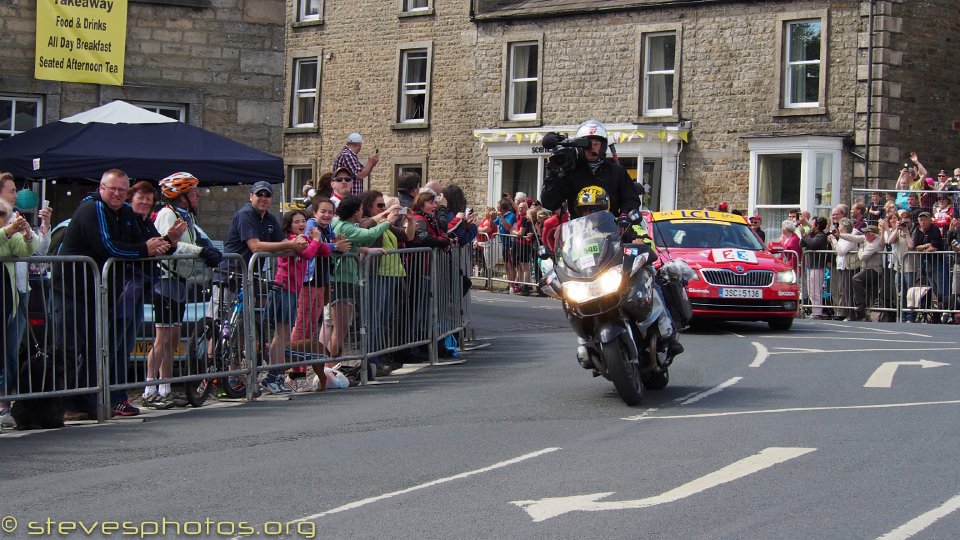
610 176
98 232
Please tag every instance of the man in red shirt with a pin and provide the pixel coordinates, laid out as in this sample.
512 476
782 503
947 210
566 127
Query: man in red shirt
550 226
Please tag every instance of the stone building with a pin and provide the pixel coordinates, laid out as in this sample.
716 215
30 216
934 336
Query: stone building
761 103
217 64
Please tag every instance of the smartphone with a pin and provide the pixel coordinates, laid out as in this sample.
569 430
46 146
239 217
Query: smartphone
46 203
469 211
403 211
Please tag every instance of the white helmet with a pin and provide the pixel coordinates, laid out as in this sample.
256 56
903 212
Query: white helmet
592 128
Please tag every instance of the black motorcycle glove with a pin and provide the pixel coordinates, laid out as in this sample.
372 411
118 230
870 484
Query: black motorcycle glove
211 256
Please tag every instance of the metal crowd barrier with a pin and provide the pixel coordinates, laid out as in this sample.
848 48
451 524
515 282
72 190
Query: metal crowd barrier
919 287
510 261
122 318
50 338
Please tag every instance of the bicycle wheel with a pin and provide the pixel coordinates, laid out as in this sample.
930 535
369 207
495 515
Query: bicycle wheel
231 357
199 361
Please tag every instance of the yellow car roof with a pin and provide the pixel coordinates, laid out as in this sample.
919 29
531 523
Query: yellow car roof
709 215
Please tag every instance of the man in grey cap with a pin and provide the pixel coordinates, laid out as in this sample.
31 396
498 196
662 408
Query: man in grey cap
866 282
348 158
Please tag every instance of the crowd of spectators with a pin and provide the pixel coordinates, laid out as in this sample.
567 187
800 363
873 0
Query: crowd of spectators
319 249
897 249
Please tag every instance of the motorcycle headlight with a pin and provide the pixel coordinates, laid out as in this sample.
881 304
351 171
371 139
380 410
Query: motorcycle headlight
787 276
582 291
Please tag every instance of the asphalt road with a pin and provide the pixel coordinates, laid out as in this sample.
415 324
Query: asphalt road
805 433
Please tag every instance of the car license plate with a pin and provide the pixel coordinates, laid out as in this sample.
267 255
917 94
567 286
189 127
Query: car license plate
741 293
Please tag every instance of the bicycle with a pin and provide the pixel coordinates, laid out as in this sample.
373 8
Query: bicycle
228 351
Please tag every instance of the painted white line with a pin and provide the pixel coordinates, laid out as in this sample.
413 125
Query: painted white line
872 339
364 502
835 351
762 354
686 397
714 390
543 509
736 334
923 521
882 377
795 409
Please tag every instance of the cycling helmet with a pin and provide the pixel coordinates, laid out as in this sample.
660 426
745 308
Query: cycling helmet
594 129
177 184
592 199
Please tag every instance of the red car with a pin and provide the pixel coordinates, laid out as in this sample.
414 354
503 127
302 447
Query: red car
737 277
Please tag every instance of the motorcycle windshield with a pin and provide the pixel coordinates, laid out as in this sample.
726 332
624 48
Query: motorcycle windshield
588 242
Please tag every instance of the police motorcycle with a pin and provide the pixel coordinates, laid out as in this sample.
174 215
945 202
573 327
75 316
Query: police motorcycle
609 295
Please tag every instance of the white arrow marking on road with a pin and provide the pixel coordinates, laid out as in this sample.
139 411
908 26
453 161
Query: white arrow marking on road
762 354
714 390
918 524
547 508
883 376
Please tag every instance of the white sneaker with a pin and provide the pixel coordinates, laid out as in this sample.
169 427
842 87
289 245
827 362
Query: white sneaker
6 419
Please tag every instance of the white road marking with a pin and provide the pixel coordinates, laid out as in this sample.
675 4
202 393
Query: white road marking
736 334
370 500
762 354
835 351
871 339
859 330
714 390
923 521
795 409
883 376
543 509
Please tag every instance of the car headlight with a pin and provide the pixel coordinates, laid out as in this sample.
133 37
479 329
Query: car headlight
606 283
787 276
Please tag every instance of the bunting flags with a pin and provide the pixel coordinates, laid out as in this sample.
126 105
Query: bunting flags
485 137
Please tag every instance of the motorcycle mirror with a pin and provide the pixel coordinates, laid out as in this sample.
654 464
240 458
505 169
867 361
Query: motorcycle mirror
634 216
545 253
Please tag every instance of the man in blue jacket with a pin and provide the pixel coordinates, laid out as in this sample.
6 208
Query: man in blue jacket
103 227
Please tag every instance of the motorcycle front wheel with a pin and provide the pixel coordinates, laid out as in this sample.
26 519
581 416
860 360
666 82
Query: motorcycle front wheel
624 373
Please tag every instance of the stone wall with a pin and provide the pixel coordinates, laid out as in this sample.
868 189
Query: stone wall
358 42
727 78
225 62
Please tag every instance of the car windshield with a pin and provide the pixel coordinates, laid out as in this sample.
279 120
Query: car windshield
705 234
583 238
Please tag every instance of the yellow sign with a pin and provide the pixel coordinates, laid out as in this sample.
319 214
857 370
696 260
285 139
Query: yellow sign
697 214
81 40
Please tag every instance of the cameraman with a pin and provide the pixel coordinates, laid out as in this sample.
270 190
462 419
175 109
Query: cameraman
591 168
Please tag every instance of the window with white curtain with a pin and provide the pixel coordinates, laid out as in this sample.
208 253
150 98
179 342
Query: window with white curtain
309 10
523 78
802 66
415 5
303 107
659 69
414 85
18 114
794 172
299 176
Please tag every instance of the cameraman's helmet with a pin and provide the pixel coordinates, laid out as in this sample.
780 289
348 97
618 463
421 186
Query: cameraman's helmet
594 129
592 199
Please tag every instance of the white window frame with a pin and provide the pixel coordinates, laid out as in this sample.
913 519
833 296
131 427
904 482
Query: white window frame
647 73
156 107
808 148
512 82
406 6
302 15
297 181
297 94
408 88
788 65
11 102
